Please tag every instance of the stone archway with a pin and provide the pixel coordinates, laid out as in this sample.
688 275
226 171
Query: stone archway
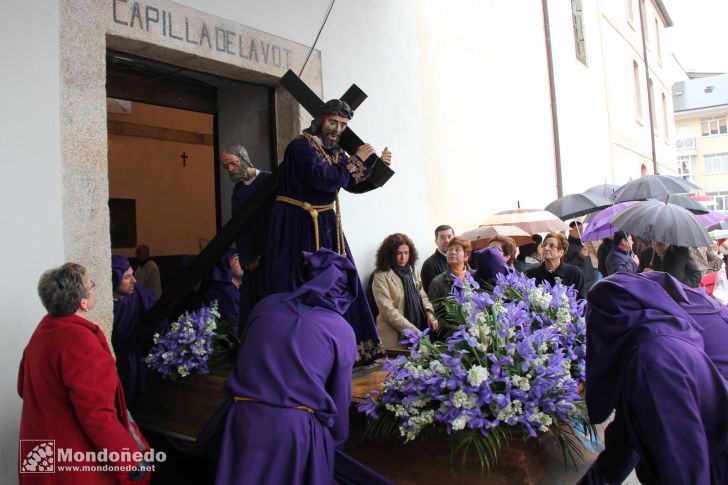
168 32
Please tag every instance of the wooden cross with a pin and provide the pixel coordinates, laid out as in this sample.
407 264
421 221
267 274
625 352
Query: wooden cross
184 159
354 97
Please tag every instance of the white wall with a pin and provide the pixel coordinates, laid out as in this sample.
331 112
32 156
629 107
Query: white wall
30 192
486 110
374 45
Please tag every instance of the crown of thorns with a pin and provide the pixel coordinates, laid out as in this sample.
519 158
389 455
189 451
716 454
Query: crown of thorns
335 107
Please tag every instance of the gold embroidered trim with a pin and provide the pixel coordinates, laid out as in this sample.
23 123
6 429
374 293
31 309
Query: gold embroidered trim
369 350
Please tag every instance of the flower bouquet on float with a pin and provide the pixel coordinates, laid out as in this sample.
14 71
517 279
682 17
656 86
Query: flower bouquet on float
507 368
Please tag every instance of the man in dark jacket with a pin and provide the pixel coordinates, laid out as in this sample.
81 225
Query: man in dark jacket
578 255
621 259
437 263
673 260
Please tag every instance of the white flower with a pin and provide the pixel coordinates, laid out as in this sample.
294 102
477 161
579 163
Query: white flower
421 402
477 375
460 422
182 370
539 298
437 367
521 382
459 398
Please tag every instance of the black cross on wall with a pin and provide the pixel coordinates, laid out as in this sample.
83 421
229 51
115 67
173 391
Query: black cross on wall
184 159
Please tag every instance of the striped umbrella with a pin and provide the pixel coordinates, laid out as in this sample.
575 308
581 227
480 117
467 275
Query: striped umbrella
481 236
530 220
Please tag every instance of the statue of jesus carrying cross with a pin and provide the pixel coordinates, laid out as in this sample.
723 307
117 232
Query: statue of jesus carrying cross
306 213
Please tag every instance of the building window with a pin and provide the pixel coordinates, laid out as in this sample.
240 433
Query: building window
715 125
685 167
647 25
715 163
657 41
720 200
579 39
665 120
630 12
637 94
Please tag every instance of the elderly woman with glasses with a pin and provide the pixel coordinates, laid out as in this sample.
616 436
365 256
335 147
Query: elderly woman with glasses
398 292
70 389
554 247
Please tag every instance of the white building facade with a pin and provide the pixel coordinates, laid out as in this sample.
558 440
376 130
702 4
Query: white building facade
460 92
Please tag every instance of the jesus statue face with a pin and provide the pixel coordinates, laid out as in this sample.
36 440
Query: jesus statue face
331 128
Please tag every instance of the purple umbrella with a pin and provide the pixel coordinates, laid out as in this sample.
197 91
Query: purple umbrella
599 227
711 218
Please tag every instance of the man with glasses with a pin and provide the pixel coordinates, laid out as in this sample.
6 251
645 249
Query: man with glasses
621 259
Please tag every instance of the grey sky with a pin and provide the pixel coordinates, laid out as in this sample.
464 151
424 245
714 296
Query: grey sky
698 36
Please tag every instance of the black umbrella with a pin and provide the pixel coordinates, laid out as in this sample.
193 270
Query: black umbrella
651 187
663 222
575 205
684 201
605 190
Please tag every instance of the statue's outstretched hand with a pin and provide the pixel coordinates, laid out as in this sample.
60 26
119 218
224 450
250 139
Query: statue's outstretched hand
386 156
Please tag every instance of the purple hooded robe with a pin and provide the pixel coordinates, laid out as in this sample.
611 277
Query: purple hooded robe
489 264
710 315
220 288
294 374
130 350
645 359
305 176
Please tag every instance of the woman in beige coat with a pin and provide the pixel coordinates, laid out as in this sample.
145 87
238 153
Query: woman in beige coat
398 293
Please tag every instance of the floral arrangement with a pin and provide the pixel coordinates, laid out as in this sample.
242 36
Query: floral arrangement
510 364
186 346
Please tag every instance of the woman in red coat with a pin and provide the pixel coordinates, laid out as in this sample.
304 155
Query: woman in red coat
74 412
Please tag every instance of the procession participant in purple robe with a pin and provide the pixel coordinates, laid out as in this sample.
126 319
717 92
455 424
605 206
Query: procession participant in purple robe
223 286
489 264
710 315
131 302
313 170
645 359
251 242
292 381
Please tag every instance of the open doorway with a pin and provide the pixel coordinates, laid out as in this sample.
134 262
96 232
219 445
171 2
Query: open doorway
166 126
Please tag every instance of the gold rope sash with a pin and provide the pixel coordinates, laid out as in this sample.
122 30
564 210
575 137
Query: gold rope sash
313 211
301 407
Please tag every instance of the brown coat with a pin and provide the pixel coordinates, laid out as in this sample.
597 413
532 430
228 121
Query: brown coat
389 295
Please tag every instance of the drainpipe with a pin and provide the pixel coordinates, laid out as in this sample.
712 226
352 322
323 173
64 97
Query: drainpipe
647 80
552 93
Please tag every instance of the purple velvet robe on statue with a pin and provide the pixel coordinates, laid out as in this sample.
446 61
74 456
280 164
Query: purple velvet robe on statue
297 351
251 244
645 359
307 177
129 349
